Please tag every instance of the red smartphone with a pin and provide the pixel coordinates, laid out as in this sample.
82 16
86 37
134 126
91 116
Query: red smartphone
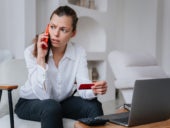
46 39
85 86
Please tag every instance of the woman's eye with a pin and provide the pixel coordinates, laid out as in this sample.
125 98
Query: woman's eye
52 27
64 30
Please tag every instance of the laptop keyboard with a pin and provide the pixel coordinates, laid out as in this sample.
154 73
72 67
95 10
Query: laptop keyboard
123 120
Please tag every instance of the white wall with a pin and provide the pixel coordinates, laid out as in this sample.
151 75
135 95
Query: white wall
43 12
144 26
3 25
30 21
133 23
163 34
13 24
139 26
17 25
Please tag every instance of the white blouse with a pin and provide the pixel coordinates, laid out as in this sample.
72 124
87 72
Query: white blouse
56 82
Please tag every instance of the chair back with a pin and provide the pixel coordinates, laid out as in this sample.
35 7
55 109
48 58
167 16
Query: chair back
12 72
5 55
129 67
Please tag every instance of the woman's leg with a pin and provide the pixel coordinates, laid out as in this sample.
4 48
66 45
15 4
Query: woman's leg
76 108
48 112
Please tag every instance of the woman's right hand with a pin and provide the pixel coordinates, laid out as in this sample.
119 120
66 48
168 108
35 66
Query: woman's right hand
41 53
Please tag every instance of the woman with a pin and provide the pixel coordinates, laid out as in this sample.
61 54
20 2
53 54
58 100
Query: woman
53 69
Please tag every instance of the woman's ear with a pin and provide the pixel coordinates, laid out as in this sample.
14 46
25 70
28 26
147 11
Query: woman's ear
73 34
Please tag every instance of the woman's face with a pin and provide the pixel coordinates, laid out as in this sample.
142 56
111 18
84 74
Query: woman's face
60 30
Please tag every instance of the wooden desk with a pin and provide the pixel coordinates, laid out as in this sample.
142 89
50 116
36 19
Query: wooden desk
162 124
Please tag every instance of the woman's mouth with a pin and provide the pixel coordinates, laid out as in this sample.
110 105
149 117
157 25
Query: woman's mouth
55 41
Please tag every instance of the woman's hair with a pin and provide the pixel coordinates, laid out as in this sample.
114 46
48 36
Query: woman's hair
60 11
66 11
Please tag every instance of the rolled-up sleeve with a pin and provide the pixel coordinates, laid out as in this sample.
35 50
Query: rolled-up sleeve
83 76
37 76
40 75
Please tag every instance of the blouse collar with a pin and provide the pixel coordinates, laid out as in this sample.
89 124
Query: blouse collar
69 53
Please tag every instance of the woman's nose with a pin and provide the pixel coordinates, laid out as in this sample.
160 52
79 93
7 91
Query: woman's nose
56 32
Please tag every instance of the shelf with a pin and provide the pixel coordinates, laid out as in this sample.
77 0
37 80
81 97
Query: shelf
100 66
96 56
100 5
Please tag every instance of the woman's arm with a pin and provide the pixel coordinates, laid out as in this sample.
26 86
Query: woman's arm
82 77
36 74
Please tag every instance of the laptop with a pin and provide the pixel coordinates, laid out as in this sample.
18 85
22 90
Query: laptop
150 103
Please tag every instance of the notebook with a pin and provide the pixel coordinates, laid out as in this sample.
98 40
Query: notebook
150 103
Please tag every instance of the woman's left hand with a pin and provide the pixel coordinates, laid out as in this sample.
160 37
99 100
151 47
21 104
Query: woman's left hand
100 87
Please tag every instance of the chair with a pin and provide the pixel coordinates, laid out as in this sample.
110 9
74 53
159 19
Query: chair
129 66
13 74
5 55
